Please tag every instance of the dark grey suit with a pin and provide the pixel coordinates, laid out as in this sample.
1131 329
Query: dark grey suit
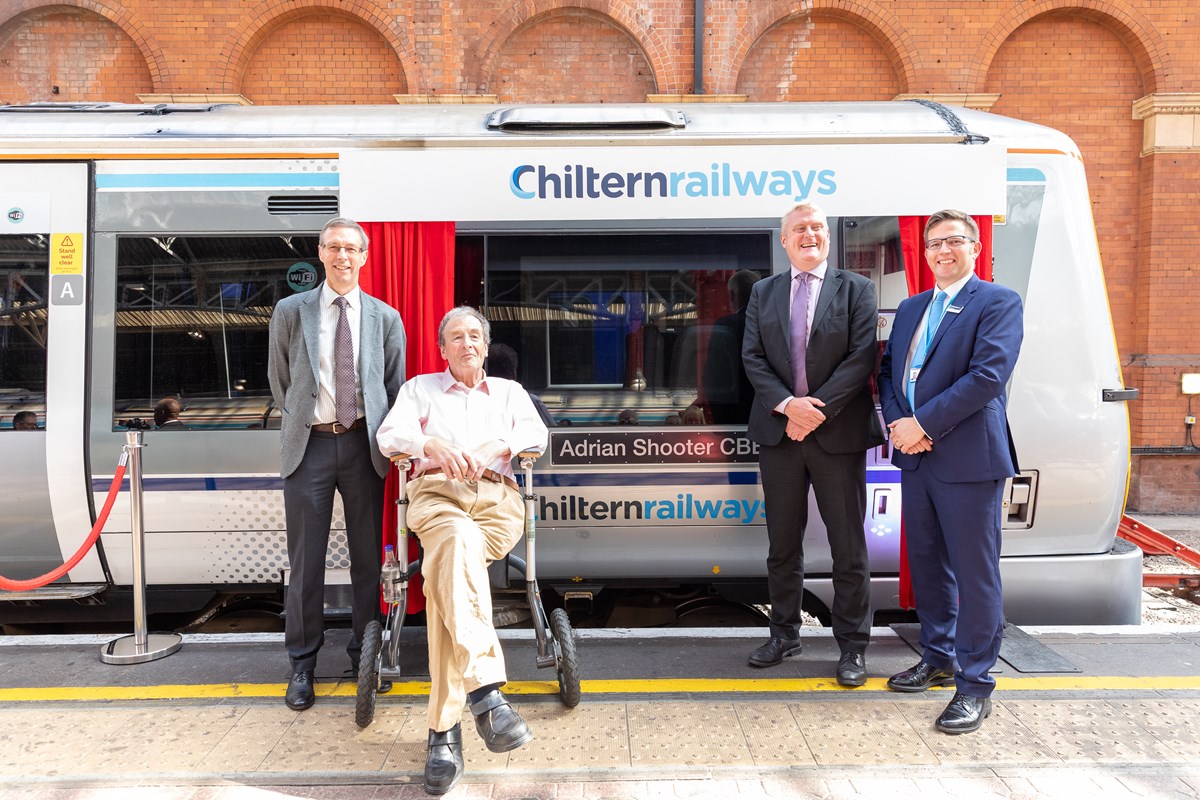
841 356
315 464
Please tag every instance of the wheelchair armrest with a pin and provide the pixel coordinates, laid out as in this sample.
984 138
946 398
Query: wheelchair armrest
530 454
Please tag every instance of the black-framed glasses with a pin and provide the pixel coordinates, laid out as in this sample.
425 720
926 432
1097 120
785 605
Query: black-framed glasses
953 241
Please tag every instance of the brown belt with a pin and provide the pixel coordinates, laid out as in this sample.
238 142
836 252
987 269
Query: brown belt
488 475
337 427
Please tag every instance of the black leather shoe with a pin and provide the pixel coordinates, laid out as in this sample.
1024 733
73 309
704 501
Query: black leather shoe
774 652
852 669
444 762
964 714
499 724
300 691
920 678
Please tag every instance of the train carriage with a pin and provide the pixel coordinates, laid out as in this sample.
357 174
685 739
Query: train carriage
144 248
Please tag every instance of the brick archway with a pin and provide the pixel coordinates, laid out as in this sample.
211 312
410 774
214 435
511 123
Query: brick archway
885 28
481 66
132 27
270 14
1135 32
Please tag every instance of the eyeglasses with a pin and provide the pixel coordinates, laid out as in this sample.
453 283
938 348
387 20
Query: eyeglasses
953 241
335 248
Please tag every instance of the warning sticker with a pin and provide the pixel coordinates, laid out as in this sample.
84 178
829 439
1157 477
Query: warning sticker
66 254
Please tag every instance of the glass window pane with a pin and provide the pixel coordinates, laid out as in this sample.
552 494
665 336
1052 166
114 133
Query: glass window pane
192 326
24 267
628 328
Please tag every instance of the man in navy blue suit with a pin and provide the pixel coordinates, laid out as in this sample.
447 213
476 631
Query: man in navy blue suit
942 388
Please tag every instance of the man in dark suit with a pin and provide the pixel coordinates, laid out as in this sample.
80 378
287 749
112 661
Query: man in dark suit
942 387
336 363
809 351
728 393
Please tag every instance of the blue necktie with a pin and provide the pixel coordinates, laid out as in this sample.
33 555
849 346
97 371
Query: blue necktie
936 309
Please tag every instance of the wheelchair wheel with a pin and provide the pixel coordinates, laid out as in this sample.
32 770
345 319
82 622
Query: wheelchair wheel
568 659
368 673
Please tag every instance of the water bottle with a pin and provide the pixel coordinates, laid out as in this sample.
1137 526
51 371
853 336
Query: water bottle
389 576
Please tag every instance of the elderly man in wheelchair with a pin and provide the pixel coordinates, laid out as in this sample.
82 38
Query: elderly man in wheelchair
463 427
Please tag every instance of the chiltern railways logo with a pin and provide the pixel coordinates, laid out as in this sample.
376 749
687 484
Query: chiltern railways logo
579 181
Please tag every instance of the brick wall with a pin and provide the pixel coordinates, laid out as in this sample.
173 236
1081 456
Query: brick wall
1076 65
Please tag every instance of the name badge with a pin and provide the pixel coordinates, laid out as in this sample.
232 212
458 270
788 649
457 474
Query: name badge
913 373
953 309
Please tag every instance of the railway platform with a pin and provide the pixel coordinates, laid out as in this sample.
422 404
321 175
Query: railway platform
1105 712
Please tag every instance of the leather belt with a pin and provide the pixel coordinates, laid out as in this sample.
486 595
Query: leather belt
337 427
488 475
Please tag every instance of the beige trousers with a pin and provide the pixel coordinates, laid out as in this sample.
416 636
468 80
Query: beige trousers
463 527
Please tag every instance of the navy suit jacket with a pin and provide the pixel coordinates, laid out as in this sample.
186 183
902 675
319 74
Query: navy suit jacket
839 360
960 393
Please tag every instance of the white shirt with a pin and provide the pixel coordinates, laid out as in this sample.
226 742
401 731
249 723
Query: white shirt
435 405
326 410
816 279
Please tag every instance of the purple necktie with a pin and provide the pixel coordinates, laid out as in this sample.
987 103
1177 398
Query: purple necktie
345 400
800 336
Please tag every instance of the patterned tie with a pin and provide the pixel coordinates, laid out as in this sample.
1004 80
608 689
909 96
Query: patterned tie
936 309
800 337
345 400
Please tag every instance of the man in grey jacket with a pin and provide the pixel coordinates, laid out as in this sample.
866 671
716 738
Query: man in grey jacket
336 363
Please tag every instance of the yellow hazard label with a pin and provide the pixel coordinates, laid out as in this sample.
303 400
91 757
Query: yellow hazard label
66 254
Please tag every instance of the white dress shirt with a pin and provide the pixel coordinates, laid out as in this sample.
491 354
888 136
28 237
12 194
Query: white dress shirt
326 410
435 405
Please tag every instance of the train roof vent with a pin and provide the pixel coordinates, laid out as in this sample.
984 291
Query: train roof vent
604 118
284 205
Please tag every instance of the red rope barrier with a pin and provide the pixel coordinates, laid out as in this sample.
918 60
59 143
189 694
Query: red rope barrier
55 574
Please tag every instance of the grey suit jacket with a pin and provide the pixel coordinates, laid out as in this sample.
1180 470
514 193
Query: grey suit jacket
292 366
841 357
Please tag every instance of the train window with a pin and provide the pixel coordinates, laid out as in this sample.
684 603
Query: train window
631 328
192 321
24 267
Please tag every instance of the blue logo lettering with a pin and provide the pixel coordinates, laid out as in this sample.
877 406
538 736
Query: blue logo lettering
515 182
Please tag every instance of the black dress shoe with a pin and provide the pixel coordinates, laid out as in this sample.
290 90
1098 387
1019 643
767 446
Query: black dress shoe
300 691
964 714
852 669
444 761
920 678
499 724
774 652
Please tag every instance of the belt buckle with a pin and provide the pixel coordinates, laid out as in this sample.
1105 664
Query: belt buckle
339 428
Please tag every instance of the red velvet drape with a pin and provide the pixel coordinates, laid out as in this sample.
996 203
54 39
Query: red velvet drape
919 279
410 266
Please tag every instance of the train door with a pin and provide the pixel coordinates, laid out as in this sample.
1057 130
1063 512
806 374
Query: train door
44 271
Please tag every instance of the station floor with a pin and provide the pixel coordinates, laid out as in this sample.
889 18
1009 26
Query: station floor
1078 713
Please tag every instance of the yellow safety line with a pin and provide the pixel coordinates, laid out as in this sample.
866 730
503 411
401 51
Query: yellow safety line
595 687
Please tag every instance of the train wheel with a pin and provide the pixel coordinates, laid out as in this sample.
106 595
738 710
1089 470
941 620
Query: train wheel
568 659
368 673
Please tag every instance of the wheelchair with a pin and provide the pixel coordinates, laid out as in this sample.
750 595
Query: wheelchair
380 659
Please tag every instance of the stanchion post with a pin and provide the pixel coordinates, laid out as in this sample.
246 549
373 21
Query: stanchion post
141 646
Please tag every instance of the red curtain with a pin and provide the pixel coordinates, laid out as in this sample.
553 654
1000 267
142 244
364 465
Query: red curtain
920 279
410 266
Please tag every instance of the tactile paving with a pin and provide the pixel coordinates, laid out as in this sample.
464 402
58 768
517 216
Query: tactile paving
1088 730
686 734
869 731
